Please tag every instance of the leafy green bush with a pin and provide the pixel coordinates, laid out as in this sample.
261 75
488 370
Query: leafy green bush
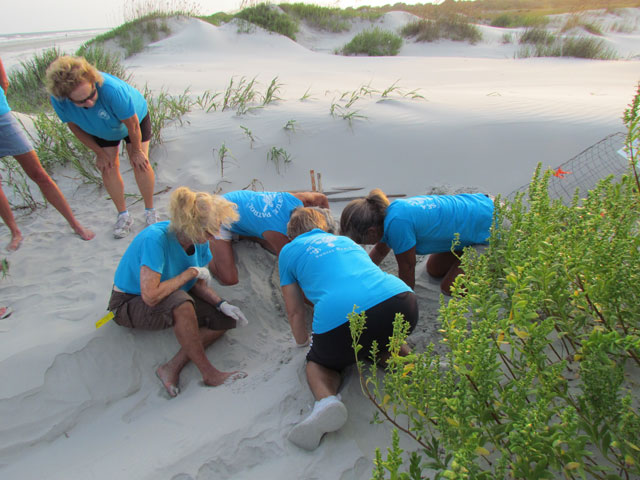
451 27
270 19
540 340
373 42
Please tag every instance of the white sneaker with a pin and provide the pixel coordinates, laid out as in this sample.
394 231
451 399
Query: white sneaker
122 226
328 415
150 216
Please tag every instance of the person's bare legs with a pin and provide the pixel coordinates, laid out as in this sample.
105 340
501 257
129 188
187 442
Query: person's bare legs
275 241
323 381
31 164
169 373
145 179
10 222
223 265
329 413
112 179
193 342
444 265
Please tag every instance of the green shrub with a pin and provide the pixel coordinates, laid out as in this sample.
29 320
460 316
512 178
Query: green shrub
269 18
374 42
451 27
540 347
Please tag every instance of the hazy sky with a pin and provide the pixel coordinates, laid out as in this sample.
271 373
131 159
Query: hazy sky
21 16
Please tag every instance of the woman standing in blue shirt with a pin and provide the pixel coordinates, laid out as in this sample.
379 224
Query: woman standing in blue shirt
336 275
420 225
101 110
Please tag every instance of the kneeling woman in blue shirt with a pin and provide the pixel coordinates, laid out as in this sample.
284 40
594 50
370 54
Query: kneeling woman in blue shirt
422 225
335 274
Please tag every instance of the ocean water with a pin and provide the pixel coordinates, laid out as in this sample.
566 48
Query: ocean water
19 47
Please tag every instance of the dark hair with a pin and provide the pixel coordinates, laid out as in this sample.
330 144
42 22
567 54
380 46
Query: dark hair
363 213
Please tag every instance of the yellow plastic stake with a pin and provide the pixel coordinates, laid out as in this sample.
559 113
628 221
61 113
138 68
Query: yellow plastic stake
104 319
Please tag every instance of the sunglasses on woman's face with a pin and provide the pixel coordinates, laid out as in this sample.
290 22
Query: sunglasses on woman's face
91 96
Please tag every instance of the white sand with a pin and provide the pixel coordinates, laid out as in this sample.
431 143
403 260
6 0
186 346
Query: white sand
81 403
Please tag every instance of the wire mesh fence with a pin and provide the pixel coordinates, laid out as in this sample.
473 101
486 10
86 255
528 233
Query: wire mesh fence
586 169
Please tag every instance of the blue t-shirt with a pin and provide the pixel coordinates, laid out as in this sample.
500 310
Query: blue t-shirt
335 274
158 248
4 105
117 101
429 222
262 211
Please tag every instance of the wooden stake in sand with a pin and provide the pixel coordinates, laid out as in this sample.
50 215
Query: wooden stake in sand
313 180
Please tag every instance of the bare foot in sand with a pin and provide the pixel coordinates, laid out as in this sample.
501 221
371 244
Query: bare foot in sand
169 380
84 233
224 378
16 240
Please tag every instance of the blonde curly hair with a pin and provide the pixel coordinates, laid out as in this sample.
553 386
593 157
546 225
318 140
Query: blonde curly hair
65 74
199 214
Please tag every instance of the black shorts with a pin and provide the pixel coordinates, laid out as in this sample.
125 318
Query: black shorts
145 130
333 349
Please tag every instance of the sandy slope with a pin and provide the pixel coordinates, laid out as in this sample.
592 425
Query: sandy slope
76 403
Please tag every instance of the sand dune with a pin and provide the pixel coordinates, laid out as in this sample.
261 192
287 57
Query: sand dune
81 403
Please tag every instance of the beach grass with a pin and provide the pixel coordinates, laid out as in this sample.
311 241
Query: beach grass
374 42
537 42
134 35
328 18
451 27
279 157
512 20
268 17
27 92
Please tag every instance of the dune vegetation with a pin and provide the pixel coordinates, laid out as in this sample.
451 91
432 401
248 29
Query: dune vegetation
535 376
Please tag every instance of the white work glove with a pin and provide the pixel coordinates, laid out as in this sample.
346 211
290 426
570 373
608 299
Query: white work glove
203 273
233 312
